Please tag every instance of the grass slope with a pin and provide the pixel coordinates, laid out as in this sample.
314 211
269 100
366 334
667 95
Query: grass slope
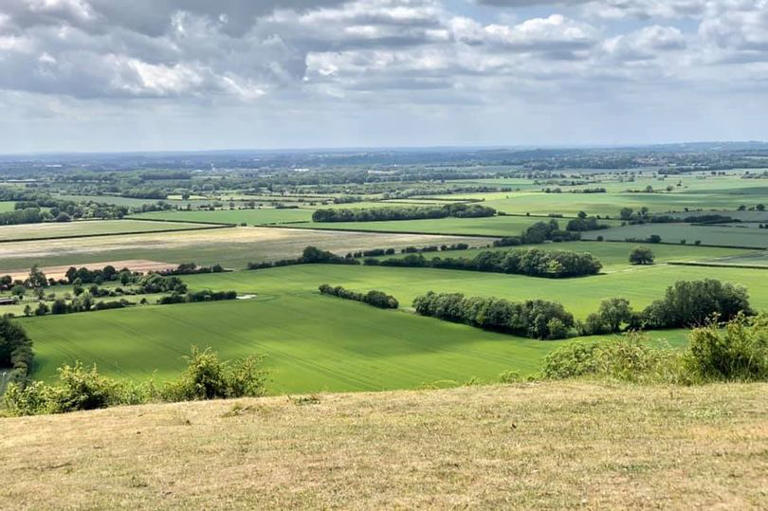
536 446
313 343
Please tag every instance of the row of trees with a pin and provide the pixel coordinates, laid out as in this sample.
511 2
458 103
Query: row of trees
685 304
533 262
538 319
376 298
311 255
402 213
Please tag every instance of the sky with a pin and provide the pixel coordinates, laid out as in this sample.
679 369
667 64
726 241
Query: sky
143 75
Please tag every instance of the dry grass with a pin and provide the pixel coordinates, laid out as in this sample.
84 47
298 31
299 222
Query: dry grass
231 247
542 446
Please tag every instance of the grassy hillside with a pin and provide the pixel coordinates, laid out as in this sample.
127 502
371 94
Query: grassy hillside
533 446
312 343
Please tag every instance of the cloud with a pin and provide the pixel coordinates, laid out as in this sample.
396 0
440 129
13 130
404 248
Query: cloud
271 56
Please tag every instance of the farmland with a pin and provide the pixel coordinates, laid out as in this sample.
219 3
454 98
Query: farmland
88 228
736 235
233 247
316 343
312 343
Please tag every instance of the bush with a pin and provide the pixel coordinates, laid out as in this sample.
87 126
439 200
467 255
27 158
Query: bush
737 353
79 389
627 358
206 377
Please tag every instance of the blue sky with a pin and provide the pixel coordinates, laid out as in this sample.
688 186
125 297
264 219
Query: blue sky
108 75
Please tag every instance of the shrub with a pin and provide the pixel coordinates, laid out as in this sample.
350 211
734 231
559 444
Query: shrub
79 389
738 352
627 358
206 377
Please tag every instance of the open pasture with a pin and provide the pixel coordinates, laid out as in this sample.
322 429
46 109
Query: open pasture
231 247
312 343
6 206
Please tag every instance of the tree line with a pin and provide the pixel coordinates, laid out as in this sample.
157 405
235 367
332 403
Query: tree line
685 304
402 213
532 262
376 298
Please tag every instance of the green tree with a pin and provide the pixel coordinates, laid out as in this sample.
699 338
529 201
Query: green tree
37 278
641 255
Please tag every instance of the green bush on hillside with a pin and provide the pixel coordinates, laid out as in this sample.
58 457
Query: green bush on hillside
78 388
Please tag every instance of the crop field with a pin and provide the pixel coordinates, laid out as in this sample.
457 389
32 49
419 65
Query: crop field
615 256
87 228
737 235
312 343
237 216
232 247
580 296
498 226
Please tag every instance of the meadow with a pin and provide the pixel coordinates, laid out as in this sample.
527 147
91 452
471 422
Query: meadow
6 206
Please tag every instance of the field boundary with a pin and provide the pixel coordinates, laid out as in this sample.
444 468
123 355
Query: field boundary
311 226
718 265
127 233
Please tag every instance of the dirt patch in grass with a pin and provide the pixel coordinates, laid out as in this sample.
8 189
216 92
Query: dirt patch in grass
527 446
59 272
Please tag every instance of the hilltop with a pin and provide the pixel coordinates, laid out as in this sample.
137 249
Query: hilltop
534 445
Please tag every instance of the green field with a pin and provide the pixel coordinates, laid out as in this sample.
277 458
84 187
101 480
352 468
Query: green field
312 343
581 296
615 256
87 228
6 206
737 235
317 343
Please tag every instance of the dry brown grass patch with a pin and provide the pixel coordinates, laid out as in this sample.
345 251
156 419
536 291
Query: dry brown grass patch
542 446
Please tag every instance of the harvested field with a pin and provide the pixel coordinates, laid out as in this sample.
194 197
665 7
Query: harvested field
88 228
58 272
233 247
